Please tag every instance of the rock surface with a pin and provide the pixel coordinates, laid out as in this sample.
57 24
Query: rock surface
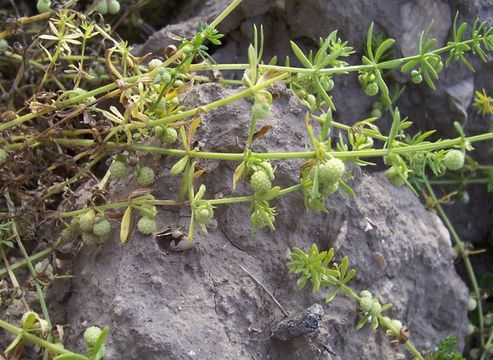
199 304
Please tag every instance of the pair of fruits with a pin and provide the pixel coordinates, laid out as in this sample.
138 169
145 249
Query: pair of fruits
145 175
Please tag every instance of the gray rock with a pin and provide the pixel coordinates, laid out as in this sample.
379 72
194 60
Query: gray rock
200 304
302 323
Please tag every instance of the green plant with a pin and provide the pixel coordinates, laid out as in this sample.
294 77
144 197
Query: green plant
73 85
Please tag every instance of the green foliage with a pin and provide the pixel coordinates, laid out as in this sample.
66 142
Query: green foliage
447 350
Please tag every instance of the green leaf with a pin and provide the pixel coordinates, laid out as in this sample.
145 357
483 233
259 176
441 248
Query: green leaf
14 343
331 295
71 357
299 54
349 276
384 46
315 281
252 61
369 42
302 281
362 322
427 78
374 322
97 352
343 267
179 166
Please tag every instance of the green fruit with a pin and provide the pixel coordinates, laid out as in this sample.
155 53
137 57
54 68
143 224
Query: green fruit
3 44
267 167
154 64
394 177
376 308
376 113
146 176
454 160
3 156
371 89
203 214
43 6
118 169
113 6
396 323
331 170
260 182
327 83
366 304
146 225
168 136
312 101
416 77
260 109
329 189
69 233
102 228
90 238
102 7
86 220
91 336
471 304
365 293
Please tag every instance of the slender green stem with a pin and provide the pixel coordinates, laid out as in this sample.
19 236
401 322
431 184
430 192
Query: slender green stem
225 13
410 346
488 345
440 144
459 181
54 348
328 71
463 252
39 289
36 257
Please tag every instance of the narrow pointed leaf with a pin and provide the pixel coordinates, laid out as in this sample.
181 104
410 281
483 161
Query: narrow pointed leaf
126 225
